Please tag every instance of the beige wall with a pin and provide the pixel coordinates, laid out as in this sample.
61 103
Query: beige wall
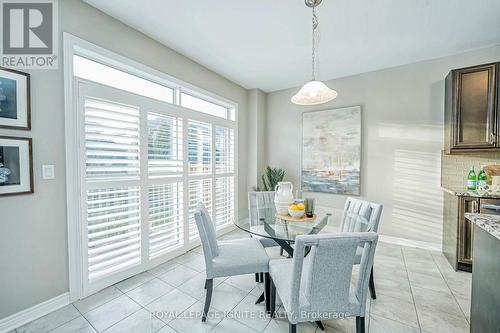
33 240
402 139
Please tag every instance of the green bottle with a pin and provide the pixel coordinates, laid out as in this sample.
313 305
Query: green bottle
471 180
481 179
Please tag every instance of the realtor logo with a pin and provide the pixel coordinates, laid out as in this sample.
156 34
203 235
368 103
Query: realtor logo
29 34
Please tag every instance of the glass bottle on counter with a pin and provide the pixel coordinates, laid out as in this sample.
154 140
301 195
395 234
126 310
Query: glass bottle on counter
481 179
471 180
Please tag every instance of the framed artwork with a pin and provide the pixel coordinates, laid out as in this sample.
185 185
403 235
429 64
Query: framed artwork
16 165
331 151
15 106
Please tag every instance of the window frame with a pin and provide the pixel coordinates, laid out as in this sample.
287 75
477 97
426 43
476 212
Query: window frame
74 170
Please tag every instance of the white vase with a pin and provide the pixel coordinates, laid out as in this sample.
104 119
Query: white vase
283 197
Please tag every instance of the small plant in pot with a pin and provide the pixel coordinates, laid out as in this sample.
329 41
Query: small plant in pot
271 178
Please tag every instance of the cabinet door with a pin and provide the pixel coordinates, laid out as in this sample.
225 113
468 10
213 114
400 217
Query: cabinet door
475 109
465 230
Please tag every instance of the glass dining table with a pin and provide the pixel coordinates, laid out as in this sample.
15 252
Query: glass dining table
265 223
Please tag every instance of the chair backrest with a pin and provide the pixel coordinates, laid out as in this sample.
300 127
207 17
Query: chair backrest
322 280
261 205
370 210
206 230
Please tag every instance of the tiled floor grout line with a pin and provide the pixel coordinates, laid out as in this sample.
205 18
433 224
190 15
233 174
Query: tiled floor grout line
277 309
235 305
411 289
249 293
123 294
175 289
81 314
241 286
62 323
141 307
381 293
451 290
112 299
197 300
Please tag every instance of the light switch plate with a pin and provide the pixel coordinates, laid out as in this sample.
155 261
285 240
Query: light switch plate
48 172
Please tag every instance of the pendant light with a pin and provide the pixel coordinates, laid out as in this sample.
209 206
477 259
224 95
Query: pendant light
313 92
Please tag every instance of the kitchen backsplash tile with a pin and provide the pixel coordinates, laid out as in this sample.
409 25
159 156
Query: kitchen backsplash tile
454 168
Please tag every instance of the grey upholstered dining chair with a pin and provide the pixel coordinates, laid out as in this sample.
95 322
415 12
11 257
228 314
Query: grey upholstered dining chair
372 212
227 258
320 285
261 205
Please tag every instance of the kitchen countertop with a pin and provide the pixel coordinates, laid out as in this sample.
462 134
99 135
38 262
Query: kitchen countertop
464 193
489 223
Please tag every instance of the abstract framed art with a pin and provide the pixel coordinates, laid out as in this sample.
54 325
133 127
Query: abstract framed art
16 165
15 106
331 151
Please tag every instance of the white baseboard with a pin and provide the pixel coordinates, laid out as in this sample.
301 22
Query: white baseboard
410 243
25 316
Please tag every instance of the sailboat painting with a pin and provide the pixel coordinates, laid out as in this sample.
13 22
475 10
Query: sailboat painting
331 151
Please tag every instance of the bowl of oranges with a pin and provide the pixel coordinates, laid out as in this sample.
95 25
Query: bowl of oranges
297 210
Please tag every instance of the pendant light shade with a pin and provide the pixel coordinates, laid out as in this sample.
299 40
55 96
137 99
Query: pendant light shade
312 93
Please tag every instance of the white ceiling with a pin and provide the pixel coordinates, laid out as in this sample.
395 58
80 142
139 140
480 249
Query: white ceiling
266 44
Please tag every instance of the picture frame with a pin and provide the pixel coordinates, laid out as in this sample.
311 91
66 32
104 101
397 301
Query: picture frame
331 151
16 165
15 99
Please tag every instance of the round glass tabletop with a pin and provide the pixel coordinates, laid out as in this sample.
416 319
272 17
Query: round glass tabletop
265 223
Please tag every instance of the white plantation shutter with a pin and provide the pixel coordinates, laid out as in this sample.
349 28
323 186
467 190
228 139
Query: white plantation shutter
144 165
114 230
198 190
199 143
224 184
165 201
111 139
224 201
166 221
164 146
113 220
224 150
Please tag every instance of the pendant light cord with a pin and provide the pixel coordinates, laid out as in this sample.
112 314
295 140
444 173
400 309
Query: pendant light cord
315 24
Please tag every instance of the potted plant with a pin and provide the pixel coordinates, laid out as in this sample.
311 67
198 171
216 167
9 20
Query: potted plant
270 178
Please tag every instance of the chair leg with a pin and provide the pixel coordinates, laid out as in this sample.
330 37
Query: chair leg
272 296
372 286
267 291
281 252
205 284
257 277
261 277
320 325
208 299
261 298
292 328
360 324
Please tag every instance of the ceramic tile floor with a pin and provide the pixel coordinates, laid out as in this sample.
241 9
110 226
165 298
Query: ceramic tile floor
417 291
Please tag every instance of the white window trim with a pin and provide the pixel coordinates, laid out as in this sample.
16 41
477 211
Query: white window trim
75 45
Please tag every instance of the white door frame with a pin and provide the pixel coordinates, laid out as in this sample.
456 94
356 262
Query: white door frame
74 45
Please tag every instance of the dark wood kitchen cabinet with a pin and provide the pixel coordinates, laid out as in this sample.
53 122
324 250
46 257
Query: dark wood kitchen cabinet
457 230
472 109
